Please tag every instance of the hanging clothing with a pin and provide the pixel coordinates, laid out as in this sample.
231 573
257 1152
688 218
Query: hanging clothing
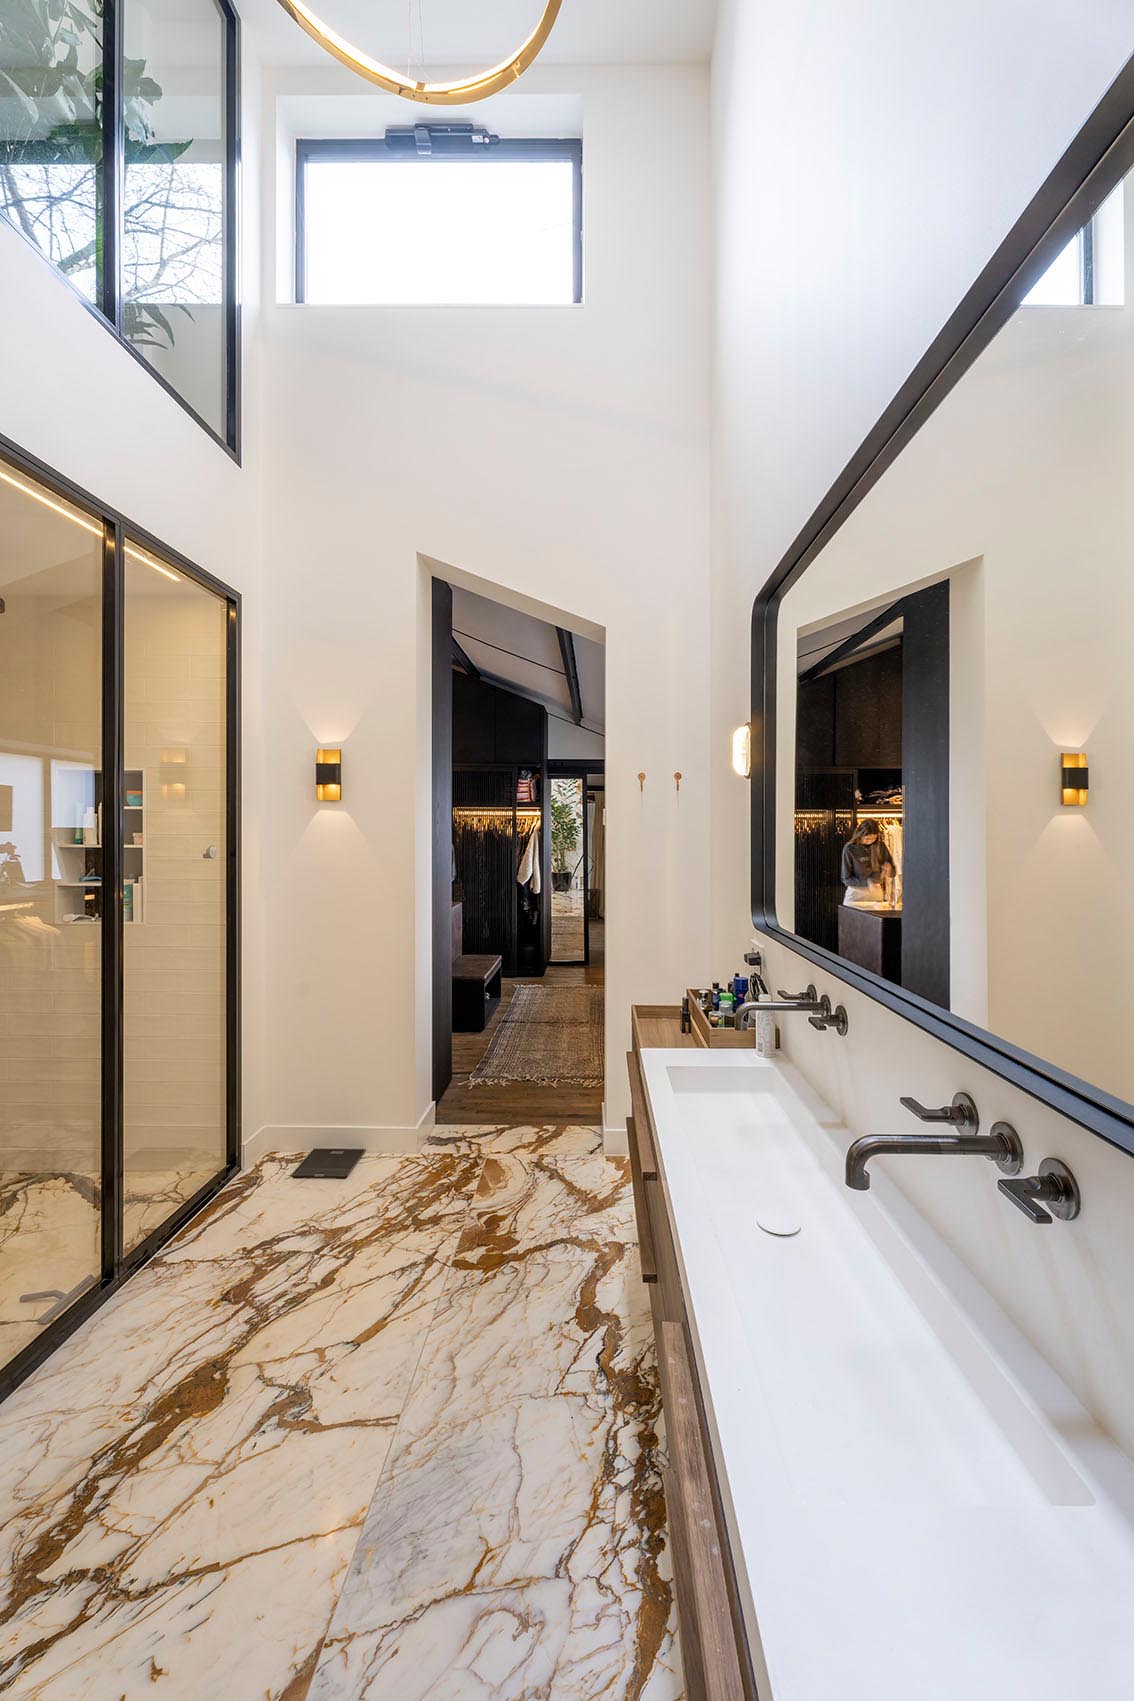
530 864
895 842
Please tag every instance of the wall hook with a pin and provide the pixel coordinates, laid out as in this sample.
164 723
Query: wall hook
641 782
677 782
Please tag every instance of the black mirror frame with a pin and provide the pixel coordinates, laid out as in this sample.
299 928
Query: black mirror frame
1099 157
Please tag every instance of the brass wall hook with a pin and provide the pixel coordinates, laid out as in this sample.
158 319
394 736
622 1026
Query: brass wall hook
641 782
677 783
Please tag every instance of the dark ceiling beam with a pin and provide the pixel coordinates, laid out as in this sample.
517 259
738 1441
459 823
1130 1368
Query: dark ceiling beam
463 661
517 655
571 669
856 641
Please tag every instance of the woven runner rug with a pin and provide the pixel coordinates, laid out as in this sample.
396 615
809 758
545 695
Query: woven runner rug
551 1035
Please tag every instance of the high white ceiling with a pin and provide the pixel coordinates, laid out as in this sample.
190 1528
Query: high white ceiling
517 650
481 32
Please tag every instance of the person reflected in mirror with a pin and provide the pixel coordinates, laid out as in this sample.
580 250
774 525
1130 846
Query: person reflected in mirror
867 867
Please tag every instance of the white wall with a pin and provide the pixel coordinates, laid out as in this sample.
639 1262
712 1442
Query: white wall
858 194
86 407
561 453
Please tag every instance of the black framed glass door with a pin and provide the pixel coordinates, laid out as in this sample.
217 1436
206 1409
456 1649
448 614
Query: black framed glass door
51 907
119 892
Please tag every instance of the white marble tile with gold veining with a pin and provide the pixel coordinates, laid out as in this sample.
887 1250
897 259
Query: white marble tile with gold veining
516 1544
49 1246
524 1142
550 1200
546 1281
185 1479
50 1235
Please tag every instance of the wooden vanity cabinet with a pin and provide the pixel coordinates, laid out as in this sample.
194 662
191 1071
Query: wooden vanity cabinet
714 1647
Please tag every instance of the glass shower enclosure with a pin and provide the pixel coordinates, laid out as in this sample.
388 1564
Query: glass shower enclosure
119 1061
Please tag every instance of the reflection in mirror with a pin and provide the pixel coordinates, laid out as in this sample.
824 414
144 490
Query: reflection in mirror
966 631
174 198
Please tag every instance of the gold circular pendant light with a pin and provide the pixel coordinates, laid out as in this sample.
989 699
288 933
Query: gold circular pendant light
477 87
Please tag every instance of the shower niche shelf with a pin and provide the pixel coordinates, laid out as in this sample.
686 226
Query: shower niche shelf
77 867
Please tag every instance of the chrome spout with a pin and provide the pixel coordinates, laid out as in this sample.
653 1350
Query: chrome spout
817 1010
1003 1147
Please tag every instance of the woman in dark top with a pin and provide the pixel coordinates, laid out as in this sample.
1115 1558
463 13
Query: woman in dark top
866 861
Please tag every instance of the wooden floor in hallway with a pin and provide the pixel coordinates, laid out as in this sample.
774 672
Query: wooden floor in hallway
522 1102
388 1437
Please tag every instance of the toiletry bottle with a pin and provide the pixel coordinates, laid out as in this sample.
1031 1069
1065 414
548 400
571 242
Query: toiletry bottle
686 1020
739 988
90 827
716 995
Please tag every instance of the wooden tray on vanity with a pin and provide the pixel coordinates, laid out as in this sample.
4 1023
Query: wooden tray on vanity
659 1025
723 1039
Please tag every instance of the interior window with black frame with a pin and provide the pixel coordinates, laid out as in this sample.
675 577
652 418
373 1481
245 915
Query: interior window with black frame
441 215
130 194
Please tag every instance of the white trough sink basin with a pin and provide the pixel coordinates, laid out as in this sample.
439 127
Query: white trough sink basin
909 1485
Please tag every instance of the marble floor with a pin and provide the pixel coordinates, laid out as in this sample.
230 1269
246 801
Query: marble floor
394 1436
50 1234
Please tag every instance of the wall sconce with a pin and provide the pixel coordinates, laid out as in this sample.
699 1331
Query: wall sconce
742 751
1075 780
329 776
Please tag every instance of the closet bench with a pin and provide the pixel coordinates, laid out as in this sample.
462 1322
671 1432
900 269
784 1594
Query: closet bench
476 992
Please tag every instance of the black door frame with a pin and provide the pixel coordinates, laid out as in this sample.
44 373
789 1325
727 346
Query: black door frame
117 1265
571 770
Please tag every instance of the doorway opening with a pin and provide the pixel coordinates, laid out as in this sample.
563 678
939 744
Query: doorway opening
872 790
519 828
578 862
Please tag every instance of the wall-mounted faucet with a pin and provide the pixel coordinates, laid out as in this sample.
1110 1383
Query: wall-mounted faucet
1002 1146
1054 1188
817 1010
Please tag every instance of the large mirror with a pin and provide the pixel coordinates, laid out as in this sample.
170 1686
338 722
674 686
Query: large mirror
952 761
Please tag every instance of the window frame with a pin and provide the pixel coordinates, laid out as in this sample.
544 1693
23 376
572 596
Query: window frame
107 307
398 147
1086 270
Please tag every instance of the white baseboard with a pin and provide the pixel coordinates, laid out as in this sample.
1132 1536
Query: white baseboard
303 1137
614 1139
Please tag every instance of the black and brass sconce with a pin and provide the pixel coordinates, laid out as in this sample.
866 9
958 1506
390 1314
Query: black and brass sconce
1075 780
329 776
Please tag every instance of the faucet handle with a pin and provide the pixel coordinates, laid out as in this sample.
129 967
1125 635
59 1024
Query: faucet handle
828 1018
962 1113
1054 1187
809 996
